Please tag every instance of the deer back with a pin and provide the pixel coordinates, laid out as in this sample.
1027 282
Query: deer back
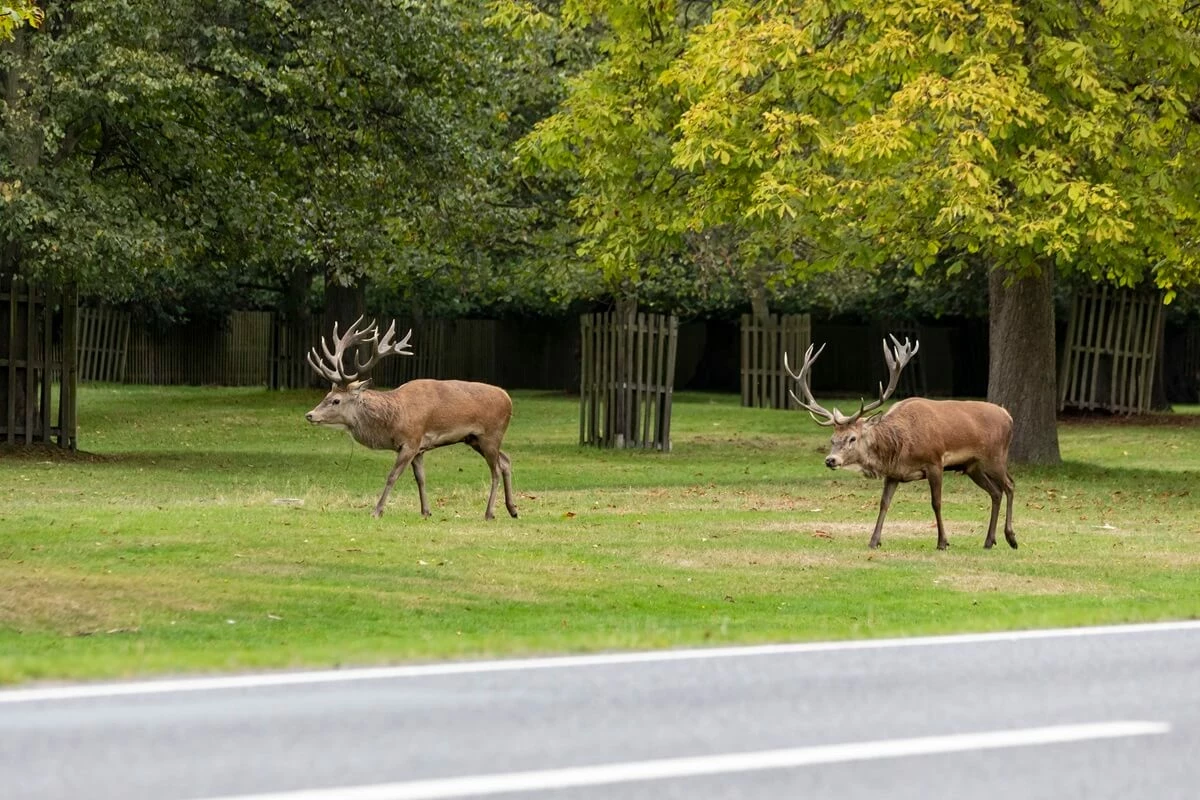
427 413
950 430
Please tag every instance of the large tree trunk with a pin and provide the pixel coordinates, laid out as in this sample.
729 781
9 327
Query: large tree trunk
1021 373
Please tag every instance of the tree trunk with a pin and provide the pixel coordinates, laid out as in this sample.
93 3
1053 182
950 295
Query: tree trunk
1021 373
760 304
343 305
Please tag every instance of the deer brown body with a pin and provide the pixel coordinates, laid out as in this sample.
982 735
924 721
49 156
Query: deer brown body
419 416
920 439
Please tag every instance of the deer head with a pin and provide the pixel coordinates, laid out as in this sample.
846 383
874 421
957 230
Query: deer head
848 429
340 407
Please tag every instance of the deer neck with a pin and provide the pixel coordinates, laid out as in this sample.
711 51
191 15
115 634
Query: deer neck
374 425
879 447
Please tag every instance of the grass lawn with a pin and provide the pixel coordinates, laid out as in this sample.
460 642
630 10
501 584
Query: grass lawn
213 529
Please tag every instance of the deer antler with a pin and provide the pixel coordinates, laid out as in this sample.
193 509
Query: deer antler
896 358
380 348
332 369
819 414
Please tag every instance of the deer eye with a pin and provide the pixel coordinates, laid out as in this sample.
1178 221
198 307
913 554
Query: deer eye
851 440
336 401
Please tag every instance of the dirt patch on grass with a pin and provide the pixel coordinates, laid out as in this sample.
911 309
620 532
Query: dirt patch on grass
726 557
1159 420
74 604
46 452
980 582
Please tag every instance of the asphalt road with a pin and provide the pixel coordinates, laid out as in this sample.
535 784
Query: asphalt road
1095 713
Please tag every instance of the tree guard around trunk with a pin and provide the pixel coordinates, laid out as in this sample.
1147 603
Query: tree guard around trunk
38 332
765 339
627 380
1111 350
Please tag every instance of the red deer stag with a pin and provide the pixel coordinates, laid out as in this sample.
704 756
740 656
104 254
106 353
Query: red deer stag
918 439
414 418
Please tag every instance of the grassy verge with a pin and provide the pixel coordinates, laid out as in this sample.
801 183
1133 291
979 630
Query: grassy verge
213 529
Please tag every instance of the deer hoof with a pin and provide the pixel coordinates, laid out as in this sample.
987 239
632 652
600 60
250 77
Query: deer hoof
377 513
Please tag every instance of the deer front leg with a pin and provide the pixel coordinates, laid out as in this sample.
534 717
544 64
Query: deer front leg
403 456
418 468
889 489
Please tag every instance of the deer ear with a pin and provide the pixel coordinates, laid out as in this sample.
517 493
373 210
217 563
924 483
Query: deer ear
356 388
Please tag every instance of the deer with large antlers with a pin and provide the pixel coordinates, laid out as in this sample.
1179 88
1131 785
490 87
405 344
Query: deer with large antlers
413 418
918 439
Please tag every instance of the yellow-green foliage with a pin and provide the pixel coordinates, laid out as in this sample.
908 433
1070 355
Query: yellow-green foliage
843 131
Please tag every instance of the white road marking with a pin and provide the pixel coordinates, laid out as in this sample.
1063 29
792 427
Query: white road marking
273 679
723 763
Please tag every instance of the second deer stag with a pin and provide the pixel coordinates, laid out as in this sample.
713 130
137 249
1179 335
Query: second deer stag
413 418
918 439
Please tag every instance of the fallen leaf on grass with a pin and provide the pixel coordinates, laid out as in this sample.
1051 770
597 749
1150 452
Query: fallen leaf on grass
822 535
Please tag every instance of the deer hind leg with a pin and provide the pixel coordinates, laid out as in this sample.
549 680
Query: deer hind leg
889 489
418 468
491 454
1009 535
986 482
403 456
934 476
506 471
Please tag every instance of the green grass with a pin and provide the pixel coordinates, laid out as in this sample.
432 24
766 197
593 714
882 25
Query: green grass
214 529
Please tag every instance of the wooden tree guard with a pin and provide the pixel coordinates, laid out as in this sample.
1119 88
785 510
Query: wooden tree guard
627 380
103 344
765 382
30 365
1109 357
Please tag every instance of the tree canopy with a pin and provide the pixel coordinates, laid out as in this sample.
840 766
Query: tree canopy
848 132
207 149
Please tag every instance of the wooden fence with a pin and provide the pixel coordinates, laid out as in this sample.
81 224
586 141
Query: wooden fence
30 321
765 382
1110 350
627 380
287 364
233 354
